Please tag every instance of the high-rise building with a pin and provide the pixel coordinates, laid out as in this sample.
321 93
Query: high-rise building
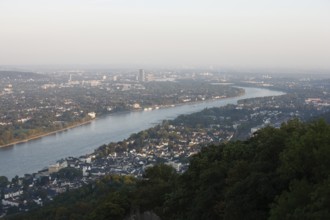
141 76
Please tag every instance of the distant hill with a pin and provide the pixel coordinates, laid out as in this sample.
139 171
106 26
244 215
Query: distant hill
20 75
276 174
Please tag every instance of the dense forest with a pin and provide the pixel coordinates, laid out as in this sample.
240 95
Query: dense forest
276 174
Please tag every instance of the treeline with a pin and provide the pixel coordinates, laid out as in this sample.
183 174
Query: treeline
276 174
36 127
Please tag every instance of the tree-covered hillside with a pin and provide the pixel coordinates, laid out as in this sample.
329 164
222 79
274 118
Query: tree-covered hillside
276 174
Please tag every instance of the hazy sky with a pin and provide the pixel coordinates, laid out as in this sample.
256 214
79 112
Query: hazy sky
235 33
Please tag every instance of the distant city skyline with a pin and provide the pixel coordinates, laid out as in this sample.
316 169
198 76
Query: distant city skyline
234 34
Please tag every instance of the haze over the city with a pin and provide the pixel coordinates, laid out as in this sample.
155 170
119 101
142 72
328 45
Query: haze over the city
239 33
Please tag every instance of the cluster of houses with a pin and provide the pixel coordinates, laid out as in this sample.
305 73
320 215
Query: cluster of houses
40 188
179 143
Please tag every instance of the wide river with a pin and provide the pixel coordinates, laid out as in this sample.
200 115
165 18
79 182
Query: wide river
29 157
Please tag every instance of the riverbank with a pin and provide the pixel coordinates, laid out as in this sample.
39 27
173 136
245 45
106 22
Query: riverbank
32 156
157 107
88 121
46 134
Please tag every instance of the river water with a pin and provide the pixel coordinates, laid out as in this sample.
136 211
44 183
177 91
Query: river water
34 155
